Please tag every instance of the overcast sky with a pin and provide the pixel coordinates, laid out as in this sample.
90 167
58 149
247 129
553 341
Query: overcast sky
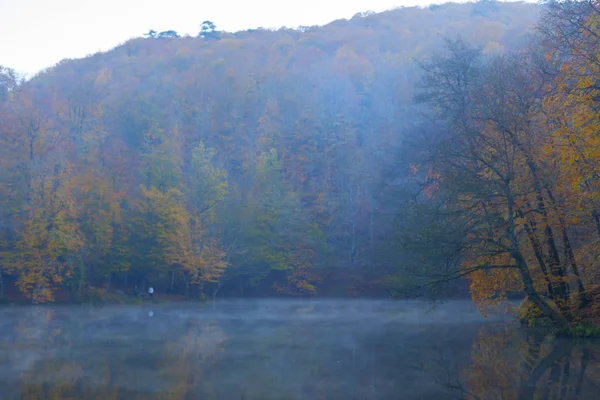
35 34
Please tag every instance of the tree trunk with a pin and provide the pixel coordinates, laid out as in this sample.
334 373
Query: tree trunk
596 216
571 257
201 288
536 299
522 264
530 229
562 289
82 274
570 254
214 293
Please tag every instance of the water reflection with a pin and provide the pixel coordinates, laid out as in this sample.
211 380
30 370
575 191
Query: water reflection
512 364
285 350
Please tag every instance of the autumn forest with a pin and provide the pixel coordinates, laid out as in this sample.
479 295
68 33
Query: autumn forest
450 150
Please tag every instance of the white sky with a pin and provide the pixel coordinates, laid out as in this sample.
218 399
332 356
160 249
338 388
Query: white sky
35 34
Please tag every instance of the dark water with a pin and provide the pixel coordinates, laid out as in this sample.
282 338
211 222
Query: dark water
285 350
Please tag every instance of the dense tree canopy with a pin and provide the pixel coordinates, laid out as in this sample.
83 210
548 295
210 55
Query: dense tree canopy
513 170
280 161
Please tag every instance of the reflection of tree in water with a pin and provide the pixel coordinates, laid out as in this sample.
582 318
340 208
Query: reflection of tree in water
176 368
43 372
50 373
492 373
515 364
63 354
189 361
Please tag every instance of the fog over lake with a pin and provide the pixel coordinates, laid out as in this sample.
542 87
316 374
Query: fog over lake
284 349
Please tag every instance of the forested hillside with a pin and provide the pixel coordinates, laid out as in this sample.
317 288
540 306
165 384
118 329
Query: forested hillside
255 162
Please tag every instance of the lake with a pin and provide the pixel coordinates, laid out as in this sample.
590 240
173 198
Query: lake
286 349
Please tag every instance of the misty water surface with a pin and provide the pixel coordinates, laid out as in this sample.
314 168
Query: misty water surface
278 349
